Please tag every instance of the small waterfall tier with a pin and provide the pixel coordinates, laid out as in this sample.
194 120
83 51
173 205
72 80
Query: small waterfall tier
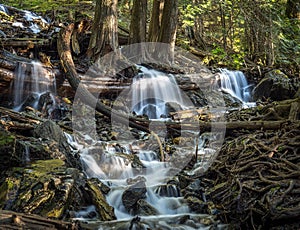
31 82
155 94
235 83
3 9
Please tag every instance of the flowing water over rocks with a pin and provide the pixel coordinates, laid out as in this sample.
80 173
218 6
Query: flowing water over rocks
33 82
155 94
235 84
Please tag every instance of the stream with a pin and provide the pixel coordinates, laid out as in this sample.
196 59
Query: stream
144 191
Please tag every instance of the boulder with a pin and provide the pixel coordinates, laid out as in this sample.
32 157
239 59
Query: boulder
143 208
45 187
96 191
49 130
133 194
276 86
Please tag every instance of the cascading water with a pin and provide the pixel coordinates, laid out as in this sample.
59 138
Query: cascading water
152 92
235 83
140 183
3 9
32 80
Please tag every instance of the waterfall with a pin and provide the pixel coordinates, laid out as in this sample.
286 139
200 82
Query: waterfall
154 93
235 83
3 9
32 80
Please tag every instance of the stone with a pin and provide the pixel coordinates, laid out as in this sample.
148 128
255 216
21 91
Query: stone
172 107
49 130
276 86
94 189
143 208
197 205
133 194
7 150
44 187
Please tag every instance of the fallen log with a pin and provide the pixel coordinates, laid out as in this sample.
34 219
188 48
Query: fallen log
65 54
14 220
6 75
6 64
25 42
143 124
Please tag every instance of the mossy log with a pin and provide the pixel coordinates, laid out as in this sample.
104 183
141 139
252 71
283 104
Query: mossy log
14 220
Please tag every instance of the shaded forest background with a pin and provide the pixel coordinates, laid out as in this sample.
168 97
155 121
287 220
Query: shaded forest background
236 34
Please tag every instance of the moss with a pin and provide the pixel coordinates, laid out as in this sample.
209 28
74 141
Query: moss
43 167
7 189
3 193
6 139
56 213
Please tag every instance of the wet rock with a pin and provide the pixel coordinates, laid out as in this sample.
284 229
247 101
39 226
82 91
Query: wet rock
131 181
276 86
172 107
184 181
49 130
143 208
195 189
30 101
94 188
168 190
195 197
33 149
133 194
8 155
45 103
197 97
44 187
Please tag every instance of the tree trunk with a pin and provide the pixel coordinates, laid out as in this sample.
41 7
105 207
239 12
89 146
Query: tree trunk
168 28
138 22
104 38
223 21
169 22
155 22
64 50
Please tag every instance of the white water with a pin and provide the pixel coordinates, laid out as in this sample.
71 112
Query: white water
151 90
104 161
26 154
235 83
109 161
32 79
3 9
32 18
36 23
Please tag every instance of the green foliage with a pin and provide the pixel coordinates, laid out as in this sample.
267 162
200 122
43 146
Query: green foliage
220 57
188 13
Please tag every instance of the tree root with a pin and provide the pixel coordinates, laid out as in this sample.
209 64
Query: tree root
256 180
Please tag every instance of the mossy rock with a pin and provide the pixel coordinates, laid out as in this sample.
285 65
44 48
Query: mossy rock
45 187
8 156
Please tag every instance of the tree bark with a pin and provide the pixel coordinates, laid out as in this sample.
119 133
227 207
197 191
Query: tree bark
104 38
169 22
169 26
155 22
138 22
